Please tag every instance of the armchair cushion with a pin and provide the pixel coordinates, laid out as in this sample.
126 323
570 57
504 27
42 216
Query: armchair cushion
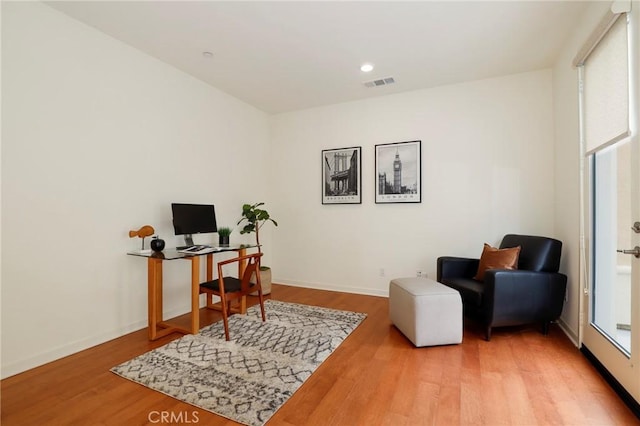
494 258
471 291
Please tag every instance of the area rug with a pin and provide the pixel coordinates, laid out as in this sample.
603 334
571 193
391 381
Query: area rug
250 377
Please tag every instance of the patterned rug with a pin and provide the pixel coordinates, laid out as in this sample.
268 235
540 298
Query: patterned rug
249 378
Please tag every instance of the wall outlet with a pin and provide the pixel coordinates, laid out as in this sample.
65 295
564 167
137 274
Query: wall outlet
419 274
382 272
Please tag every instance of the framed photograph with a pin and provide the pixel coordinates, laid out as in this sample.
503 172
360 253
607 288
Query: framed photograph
399 172
342 176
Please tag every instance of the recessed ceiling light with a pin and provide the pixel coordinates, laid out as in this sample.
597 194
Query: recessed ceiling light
207 54
366 68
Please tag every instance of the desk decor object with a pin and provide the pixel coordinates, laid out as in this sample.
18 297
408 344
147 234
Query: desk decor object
342 176
157 244
399 172
246 379
224 232
143 232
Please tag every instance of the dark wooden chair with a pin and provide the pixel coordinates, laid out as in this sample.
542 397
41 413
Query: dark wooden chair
229 289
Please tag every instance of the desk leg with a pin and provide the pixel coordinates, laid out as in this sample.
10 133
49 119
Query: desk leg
209 277
242 265
157 326
154 277
195 294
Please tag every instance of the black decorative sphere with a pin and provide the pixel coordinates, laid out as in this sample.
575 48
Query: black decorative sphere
157 244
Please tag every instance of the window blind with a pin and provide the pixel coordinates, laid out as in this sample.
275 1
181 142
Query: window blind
606 89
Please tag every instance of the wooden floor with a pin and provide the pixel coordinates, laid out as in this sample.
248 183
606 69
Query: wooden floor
376 377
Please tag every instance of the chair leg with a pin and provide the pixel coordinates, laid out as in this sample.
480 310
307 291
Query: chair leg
545 328
261 298
488 333
225 320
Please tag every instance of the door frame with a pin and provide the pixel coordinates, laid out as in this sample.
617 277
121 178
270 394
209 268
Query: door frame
623 371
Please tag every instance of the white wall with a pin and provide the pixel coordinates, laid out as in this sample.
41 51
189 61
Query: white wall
567 152
98 139
487 170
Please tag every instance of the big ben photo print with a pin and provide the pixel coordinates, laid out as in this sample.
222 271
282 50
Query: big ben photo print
398 172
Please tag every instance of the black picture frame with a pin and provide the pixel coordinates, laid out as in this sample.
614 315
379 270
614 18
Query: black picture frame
399 172
342 175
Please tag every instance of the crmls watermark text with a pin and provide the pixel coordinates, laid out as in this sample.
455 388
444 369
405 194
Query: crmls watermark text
173 418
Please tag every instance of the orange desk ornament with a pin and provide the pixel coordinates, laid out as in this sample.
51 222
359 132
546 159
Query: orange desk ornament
145 231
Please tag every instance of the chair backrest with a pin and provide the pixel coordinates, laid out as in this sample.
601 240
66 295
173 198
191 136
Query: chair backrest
540 254
253 267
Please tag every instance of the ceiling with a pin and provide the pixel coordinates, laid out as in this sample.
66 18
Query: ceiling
284 56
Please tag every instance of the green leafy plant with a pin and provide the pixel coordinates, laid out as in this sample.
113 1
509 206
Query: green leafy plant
254 218
224 231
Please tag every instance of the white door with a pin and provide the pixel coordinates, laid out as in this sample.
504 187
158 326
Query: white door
610 314
611 329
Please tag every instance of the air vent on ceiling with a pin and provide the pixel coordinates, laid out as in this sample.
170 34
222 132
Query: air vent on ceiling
379 82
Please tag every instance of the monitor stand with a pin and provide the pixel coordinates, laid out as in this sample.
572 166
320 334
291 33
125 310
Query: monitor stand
188 240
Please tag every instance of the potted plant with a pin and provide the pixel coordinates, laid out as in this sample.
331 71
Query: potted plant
254 218
223 236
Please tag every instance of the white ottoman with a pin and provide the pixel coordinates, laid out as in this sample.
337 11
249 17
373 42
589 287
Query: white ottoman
427 312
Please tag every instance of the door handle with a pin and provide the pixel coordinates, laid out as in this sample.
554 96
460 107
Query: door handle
634 251
636 227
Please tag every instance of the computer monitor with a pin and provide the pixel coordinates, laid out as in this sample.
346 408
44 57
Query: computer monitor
189 219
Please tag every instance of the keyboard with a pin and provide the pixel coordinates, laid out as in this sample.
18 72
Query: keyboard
197 249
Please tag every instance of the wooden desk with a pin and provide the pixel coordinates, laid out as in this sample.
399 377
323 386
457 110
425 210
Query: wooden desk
159 327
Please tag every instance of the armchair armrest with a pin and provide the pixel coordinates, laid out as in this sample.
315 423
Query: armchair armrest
456 267
516 295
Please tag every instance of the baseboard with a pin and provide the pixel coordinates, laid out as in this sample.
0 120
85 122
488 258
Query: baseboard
568 331
628 399
571 334
65 350
332 287
62 351
78 346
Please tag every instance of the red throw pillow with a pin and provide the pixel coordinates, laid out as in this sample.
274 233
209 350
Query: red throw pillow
494 258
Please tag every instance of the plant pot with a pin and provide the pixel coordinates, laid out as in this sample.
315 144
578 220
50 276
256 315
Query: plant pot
265 280
223 241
